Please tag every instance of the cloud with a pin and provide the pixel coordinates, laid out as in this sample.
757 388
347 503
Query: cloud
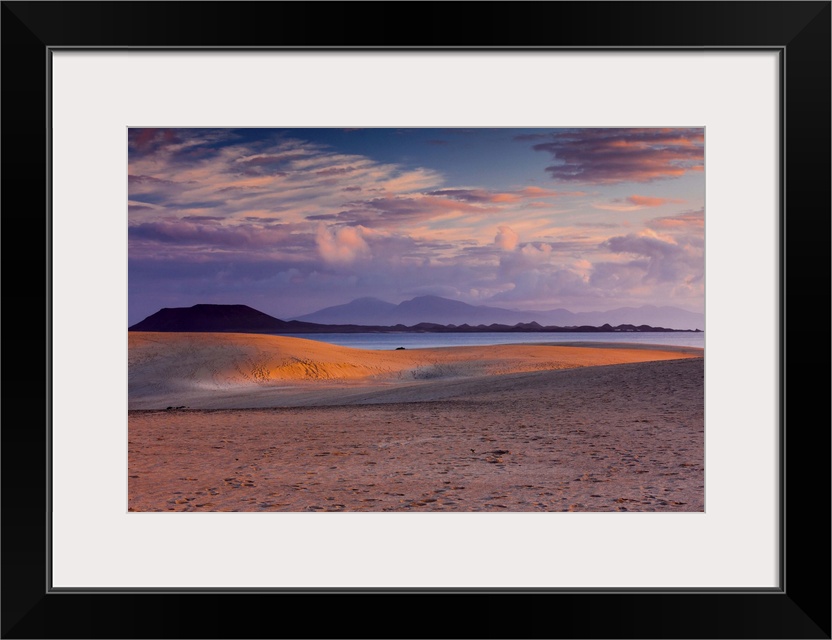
667 260
138 205
411 180
539 192
269 164
647 201
469 195
486 196
296 223
506 238
608 156
536 286
335 171
147 139
135 181
342 245
597 225
190 232
528 257
647 243
191 144
682 221
536 252
395 211
634 203
203 218
615 206
617 276
233 174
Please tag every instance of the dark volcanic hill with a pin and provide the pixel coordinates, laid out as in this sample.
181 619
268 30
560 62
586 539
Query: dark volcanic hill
214 317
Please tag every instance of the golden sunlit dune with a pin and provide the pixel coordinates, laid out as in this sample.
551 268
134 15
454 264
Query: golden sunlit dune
226 370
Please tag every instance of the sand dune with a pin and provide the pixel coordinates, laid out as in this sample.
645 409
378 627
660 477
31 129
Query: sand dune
221 370
287 424
627 437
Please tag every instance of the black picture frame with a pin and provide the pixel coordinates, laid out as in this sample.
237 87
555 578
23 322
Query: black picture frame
799 608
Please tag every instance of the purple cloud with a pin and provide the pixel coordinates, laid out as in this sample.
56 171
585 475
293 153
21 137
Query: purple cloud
203 218
667 260
185 232
606 156
335 171
688 220
535 285
398 210
617 276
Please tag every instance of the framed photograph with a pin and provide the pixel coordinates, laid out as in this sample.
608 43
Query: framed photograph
267 194
420 362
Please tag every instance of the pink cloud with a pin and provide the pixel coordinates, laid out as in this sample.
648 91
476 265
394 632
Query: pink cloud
634 203
506 238
608 156
539 192
687 220
647 201
504 197
342 245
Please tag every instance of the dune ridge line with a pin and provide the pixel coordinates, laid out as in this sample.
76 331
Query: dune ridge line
178 368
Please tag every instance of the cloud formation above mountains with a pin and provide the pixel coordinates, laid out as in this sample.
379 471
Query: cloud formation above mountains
291 220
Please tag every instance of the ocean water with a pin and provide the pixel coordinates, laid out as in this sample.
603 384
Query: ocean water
390 341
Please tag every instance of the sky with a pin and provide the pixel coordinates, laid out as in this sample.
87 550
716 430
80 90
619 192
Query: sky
289 221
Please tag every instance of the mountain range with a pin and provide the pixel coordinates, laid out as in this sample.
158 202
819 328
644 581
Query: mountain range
435 309
239 318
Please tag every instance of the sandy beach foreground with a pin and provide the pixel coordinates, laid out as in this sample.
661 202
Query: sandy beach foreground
284 424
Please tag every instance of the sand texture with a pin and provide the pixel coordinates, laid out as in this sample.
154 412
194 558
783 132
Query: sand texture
286 424
233 371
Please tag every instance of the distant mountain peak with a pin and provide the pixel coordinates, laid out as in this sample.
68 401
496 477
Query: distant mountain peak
427 298
369 299
437 309
366 310
432 309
